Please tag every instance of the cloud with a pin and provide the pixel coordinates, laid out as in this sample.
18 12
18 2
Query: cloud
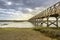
19 9
15 4
29 9
8 13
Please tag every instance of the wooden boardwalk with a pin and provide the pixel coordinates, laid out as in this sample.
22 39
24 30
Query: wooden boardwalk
53 11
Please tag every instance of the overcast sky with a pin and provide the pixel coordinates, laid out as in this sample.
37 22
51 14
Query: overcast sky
20 9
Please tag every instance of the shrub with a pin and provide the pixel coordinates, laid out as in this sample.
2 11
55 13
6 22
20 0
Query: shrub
51 32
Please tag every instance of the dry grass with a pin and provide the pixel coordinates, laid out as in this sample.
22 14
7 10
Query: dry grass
52 32
21 34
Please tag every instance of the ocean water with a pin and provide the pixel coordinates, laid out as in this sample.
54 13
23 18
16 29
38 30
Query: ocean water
16 25
21 25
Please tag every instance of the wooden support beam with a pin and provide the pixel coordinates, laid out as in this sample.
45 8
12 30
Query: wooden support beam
44 22
52 23
36 21
41 22
57 22
47 21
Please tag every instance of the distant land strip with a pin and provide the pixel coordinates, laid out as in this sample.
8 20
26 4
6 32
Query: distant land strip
13 20
23 20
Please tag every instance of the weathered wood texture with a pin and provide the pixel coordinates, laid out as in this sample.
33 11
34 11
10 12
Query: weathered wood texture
53 11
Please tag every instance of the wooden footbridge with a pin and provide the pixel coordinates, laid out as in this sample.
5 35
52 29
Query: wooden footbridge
53 11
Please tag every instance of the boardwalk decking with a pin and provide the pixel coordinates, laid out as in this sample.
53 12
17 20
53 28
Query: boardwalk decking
53 11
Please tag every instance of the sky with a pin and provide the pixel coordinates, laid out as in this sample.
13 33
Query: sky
22 9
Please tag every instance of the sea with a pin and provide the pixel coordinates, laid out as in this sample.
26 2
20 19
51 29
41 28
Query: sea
21 25
16 25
